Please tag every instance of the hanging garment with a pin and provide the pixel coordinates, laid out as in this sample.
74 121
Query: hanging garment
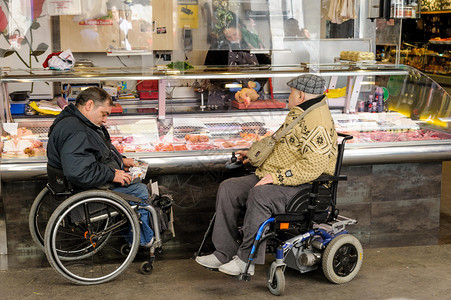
341 11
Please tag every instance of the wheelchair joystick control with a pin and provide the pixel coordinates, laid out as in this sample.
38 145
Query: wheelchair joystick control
234 163
233 158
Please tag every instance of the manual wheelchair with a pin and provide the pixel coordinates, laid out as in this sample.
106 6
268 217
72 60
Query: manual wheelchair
311 232
90 237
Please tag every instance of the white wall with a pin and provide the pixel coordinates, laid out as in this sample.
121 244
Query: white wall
21 20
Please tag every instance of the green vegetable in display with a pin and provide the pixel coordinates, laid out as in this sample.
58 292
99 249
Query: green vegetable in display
180 65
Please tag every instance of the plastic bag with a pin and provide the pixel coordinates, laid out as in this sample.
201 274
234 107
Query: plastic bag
60 60
45 107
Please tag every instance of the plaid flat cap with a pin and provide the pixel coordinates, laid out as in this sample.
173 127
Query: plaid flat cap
308 83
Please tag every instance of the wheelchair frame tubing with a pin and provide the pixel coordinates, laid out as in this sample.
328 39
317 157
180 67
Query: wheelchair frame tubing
286 246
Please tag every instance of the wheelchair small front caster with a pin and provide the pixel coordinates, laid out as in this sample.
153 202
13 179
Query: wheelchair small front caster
277 285
146 268
125 249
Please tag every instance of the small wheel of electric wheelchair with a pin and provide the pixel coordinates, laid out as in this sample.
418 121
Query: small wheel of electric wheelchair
146 268
342 259
125 249
277 287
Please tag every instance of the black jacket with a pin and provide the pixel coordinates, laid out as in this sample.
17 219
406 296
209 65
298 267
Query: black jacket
82 150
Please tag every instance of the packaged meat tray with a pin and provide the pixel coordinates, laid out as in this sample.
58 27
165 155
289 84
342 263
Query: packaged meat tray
232 143
259 104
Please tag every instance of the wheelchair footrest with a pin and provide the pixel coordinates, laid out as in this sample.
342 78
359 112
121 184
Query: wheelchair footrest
244 277
338 225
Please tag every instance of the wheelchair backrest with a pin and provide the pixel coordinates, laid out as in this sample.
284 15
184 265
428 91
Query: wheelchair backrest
338 165
326 196
299 203
341 150
57 181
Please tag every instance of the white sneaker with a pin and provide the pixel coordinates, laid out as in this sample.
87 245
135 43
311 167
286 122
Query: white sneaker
209 261
235 267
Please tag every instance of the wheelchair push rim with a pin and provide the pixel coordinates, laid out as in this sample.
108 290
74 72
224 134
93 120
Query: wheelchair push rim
83 222
42 208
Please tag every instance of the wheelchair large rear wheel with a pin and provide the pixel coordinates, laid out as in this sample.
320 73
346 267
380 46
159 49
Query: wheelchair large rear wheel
42 208
342 259
84 236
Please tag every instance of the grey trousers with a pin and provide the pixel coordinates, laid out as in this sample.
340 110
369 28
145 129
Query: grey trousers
260 203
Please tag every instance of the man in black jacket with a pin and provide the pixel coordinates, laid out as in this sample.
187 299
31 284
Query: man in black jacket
80 146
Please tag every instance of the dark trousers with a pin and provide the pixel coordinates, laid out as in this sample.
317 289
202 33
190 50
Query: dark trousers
260 203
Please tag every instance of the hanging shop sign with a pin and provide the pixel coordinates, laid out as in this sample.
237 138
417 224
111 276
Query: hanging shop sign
96 22
64 7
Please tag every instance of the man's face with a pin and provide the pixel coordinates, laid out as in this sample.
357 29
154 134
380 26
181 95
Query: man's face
233 35
98 114
295 98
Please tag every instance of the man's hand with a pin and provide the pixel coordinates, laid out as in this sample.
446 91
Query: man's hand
129 162
265 180
121 177
242 155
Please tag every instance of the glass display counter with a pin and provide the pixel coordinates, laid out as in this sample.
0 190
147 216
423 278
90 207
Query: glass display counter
409 125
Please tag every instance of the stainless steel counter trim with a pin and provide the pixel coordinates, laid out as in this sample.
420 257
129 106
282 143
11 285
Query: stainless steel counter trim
199 161
91 75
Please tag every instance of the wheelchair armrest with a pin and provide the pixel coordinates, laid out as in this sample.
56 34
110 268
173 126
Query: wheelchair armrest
55 193
290 217
325 178
127 197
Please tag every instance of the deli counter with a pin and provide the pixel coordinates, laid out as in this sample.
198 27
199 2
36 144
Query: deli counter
398 116
411 126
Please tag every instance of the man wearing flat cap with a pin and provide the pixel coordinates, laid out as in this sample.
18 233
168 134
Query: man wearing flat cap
308 150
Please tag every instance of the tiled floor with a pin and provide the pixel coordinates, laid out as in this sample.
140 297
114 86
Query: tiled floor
420 272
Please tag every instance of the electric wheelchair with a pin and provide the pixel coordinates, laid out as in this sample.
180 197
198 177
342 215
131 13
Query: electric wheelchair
90 237
310 233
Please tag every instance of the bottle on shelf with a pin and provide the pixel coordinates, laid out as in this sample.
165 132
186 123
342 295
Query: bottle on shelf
374 105
414 6
369 104
379 100
361 106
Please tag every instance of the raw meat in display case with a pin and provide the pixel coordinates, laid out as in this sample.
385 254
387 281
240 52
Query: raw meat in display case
388 137
384 128
23 143
198 134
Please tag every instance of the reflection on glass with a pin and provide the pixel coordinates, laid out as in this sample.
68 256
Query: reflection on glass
419 97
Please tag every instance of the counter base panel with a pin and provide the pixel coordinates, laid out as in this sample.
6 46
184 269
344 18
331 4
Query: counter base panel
394 204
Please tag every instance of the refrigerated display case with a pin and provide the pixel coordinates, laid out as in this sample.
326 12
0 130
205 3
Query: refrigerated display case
411 120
